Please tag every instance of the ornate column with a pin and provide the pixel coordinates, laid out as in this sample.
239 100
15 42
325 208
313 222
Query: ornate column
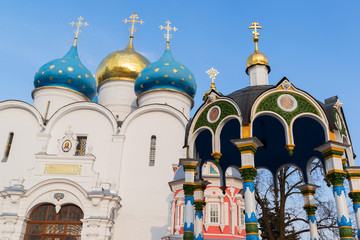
189 165
239 226
233 212
247 148
332 152
177 217
308 191
353 175
222 213
199 188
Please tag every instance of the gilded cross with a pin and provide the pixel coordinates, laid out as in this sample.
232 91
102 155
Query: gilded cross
133 20
167 35
212 73
78 24
255 26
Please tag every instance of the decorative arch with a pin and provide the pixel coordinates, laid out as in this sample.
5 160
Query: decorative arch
194 138
153 108
11 104
297 103
228 110
224 121
44 192
314 117
277 117
46 221
226 106
82 106
302 174
308 168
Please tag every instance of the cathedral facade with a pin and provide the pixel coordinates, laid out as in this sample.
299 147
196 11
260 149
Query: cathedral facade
91 158
94 156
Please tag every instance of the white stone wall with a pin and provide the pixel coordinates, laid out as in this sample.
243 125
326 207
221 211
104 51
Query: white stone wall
144 189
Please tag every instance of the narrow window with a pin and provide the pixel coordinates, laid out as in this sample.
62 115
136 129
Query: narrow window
214 213
81 147
242 216
47 110
8 147
152 151
182 215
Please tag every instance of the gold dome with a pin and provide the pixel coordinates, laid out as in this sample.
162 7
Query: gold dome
257 58
125 65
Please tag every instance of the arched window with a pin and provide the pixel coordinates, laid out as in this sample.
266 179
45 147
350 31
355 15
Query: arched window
152 151
45 224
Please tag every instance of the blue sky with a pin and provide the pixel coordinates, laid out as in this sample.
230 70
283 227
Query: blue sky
313 43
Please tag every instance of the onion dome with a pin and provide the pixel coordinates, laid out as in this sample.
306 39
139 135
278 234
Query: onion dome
125 65
166 73
257 57
67 72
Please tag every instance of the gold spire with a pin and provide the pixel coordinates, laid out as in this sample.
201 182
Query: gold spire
133 20
167 35
212 74
255 26
257 57
78 24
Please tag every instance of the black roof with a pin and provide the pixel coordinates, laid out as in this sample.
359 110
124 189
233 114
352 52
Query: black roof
246 97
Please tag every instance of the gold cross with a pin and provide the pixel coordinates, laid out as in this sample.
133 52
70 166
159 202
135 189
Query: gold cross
78 24
167 35
133 18
212 73
255 26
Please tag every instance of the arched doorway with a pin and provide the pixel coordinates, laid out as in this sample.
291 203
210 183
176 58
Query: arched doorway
45 224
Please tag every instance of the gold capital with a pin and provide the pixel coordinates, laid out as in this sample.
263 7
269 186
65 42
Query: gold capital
133 20
255 26
212 74
167 35
78 25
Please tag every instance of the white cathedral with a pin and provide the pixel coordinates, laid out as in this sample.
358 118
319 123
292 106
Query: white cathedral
92 157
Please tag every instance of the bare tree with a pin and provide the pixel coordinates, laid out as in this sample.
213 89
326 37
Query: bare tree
281 215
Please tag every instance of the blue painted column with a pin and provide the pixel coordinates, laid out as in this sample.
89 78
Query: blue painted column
247 148
308 191
353 175
333 152
189 166
199 188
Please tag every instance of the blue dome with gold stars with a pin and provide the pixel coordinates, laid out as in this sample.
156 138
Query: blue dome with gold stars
166 73
68 73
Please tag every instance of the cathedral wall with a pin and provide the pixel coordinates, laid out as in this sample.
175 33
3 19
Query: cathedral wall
99 133
23 147
48 100
144 188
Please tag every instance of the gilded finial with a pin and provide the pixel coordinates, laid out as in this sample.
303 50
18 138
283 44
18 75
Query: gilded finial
167 35
255 26
212 74
133 20
78 24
